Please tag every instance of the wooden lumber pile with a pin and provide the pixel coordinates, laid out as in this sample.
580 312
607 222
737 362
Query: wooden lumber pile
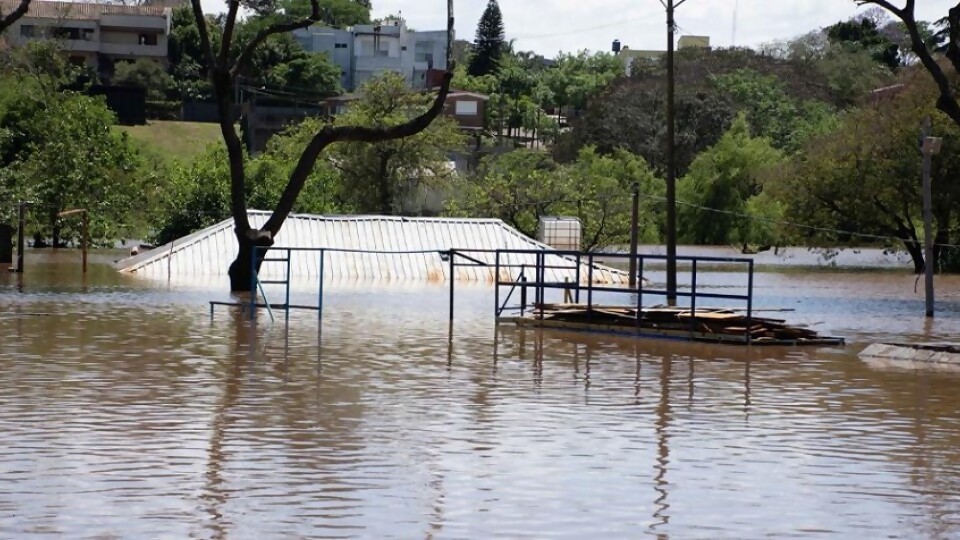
705 321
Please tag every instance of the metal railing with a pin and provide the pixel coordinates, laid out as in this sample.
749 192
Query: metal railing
453 257
574 290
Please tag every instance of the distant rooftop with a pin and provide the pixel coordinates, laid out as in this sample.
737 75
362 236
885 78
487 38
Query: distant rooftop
47 9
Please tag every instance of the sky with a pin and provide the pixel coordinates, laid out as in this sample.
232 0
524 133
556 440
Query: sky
551 26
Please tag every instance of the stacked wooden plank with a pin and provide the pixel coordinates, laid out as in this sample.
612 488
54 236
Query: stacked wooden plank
724 324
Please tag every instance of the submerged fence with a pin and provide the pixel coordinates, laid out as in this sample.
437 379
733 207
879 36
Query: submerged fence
451 265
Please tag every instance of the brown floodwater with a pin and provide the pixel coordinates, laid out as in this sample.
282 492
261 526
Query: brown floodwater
128 412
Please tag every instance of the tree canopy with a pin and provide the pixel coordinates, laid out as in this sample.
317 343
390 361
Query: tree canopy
523 186
381 177
58 149
488 47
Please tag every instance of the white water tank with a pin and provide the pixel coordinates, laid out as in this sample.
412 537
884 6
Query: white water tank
562 233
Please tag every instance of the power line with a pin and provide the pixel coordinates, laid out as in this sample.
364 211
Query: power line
581 30
841 232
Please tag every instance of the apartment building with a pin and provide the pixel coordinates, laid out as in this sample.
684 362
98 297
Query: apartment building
364 51
96 35
628 56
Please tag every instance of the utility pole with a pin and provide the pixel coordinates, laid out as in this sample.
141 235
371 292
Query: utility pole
634 225
670 6
928 147
21 242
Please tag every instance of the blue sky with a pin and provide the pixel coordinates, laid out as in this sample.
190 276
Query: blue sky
550 26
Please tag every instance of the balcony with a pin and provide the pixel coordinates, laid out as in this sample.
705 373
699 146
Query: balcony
80 45
129 49
134 22
377 63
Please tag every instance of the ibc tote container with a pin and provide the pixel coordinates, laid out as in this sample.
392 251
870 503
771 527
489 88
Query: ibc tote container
562 233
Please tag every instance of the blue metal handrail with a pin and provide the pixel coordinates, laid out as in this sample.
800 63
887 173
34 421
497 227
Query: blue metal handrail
540 284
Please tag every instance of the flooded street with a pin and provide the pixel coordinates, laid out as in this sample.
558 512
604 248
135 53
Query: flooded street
127 412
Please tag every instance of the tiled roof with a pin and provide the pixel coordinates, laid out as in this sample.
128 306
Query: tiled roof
47 9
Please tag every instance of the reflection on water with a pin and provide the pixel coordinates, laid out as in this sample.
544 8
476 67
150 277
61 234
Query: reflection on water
128 412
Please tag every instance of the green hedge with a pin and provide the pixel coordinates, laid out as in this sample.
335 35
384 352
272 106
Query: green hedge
164 110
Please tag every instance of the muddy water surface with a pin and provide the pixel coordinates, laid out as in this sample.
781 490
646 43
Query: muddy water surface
127 412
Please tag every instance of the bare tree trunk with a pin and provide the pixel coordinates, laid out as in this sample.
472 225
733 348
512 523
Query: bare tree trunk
947 101
240 272
223 74
916 255
14 15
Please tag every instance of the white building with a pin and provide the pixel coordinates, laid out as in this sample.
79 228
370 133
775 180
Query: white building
96 35
366 50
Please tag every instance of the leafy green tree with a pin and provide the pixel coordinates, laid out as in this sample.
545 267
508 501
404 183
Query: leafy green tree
840 73
522 186
631 115
188 65
719 187
866 176
228 62
771 111
199 191
60 152
281 65
943 75
144 73
488 47
865 33
578 77
378 177
335 13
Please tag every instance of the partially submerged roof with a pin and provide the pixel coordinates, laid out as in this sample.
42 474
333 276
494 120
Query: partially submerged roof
210 251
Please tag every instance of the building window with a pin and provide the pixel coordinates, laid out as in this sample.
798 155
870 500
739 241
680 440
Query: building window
78 61
148 39
67 33
340 46
28 30
466 108
423 52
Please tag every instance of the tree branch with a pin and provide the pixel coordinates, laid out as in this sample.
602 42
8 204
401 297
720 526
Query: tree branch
885 5
20 11
201 22
330 134
947 101
228 27
263 34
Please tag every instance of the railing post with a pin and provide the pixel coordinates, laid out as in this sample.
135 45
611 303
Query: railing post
523 289
496 286
253 282
541 277
320 295
21 234
453 278
750 302
579 260
693 296
589 286
286 315
640 294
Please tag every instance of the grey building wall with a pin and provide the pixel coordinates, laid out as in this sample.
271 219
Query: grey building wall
336 43
362 52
